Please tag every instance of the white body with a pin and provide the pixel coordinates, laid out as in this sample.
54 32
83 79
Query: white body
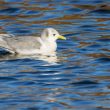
46 48
46 44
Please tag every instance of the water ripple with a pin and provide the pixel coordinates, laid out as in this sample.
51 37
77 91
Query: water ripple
77 78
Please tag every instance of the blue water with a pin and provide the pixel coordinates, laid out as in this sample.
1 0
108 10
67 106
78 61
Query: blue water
78 77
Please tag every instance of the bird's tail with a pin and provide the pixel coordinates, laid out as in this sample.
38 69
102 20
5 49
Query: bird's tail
4 44
2 41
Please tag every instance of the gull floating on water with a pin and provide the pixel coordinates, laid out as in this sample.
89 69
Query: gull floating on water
27 45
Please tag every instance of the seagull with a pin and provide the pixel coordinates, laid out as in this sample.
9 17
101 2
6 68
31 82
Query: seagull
28 45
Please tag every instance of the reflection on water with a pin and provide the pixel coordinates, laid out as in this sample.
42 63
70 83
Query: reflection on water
78 76
48 59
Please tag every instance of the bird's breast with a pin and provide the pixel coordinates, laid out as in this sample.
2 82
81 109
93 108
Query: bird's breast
49 47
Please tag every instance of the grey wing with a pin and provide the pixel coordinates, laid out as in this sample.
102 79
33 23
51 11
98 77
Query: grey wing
23 42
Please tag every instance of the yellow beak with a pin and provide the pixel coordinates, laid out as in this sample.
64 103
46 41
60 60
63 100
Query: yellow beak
62 37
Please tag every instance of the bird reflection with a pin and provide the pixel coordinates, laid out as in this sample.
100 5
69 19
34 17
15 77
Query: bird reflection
8 56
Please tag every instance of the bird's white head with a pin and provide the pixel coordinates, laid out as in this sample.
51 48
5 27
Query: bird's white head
51 34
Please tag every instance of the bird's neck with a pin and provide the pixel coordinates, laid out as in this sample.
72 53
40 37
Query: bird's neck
49 45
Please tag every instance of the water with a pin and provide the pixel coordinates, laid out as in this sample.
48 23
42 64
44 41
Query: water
78 77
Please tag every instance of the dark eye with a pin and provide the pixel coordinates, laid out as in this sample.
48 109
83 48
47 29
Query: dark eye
54 34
